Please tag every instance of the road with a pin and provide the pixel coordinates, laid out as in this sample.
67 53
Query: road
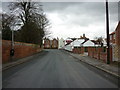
54 69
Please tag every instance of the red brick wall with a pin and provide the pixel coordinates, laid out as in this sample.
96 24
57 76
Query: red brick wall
6 46
98 53
103 56
78 50
91 52
21 50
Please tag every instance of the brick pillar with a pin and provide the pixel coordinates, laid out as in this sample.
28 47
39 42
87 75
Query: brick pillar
89 51
82 50
94 52
99 50
111 52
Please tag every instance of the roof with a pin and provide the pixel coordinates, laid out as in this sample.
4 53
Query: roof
88 43
77 42
68 39
117 25
112 33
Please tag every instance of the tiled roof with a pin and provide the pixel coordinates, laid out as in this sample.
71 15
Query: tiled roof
112 33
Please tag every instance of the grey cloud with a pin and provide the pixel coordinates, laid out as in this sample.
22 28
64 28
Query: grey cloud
83 13
57 6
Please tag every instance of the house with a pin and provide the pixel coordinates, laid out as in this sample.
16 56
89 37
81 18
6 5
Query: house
77 43
68 47
101 52
75 46
87 44
50 44
46 43
54 44
117 32
116 43
68 41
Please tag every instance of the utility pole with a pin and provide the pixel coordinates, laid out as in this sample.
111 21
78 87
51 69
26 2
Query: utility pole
107 31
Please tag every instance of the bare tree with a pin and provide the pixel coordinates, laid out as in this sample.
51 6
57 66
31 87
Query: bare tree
33 18
25 10
99 40
7 23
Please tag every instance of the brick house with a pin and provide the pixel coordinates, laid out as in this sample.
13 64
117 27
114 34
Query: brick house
47 43
87 44
117 31
116 47
50 44
54 44
100 52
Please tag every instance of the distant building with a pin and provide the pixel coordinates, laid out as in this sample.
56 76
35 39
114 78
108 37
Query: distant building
54 44
47 43
87 44
50 44
79 46
68 41
61 43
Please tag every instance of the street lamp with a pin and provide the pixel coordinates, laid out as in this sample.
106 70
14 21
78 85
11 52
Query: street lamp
107 31
12 42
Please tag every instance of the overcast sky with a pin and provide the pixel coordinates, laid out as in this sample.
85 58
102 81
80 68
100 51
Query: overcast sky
73 19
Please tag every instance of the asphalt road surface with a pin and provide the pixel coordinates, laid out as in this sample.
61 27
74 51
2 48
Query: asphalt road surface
54 69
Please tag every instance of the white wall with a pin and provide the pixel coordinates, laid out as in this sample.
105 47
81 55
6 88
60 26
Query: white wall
61 43
68 47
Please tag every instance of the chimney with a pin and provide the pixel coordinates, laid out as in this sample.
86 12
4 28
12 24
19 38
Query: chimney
83 35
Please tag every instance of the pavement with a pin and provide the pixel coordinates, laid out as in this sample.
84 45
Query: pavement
109 68
55 69
19 61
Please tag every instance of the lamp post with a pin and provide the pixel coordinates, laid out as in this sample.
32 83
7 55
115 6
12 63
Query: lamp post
12 39
12 42
107 31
